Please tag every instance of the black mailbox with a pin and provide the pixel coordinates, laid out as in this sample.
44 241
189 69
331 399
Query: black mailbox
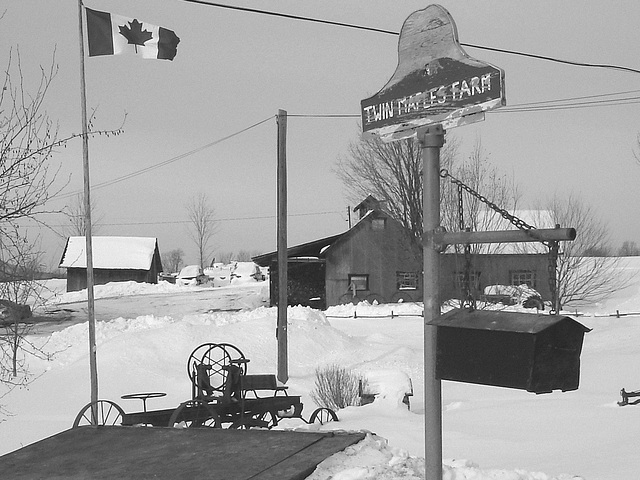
537 353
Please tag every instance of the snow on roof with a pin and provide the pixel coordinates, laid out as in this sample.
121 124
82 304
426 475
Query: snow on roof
535 218
541 219
110 252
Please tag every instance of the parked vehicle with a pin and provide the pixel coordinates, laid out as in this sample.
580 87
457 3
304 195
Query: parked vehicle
11 312
514 295
167 277
191 275
257 274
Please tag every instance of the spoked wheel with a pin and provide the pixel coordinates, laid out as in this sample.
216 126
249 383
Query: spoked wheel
194 414
216 357
106 411
266 419
196 358
323 415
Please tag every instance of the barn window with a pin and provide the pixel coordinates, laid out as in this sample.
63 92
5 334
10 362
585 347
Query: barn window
407 280
527 277
378 223
360 282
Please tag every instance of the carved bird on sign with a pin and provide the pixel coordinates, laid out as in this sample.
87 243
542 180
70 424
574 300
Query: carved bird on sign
432 68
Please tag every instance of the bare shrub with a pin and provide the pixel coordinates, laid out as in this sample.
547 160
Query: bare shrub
336 387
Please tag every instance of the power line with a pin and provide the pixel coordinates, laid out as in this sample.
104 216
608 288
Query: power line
532 107
553 59
548 108
546 105
166 162
324 115
573 102
556 104
584 97
390 32
292 17
229 219
179 157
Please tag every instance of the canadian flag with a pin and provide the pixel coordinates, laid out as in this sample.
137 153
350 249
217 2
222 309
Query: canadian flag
110 34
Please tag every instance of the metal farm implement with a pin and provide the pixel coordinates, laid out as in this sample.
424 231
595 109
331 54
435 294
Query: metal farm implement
222 393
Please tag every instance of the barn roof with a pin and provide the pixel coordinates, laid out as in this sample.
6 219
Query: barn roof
535 218
306 250
317 248
110 252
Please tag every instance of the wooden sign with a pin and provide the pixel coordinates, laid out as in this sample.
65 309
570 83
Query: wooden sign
435 81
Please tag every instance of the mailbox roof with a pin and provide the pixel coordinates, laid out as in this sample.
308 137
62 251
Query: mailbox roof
501 321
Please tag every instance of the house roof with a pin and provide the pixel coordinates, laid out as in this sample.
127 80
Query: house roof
319 248
309 249
367 203
542 219
371 214
110 252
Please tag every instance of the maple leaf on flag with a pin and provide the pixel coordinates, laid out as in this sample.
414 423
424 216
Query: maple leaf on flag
134 33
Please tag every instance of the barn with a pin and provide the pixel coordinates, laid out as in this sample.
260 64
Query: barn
377 260
115 259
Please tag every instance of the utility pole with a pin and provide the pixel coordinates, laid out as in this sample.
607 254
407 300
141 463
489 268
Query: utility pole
283 264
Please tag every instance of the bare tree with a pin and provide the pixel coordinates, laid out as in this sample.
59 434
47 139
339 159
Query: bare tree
28 138
19 291
75 213
203 226
28 178
581 277
629 249
392 172
491 187
245 255
173 260
225 257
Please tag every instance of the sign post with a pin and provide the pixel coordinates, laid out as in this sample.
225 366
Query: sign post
431 139
436 86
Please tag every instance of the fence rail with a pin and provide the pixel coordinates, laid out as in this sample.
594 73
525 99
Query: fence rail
392 314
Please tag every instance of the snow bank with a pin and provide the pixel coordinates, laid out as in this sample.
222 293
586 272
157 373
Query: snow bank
374 459
584 432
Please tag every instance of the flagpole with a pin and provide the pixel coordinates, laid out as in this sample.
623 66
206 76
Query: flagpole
87 213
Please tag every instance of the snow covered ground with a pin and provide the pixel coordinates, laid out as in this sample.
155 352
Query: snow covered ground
488 432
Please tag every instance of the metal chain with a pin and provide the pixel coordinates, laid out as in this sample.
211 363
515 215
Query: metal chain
468 300
460 209
519 223
553 246
554 249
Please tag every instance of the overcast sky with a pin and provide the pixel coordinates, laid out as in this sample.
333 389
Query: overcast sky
235 69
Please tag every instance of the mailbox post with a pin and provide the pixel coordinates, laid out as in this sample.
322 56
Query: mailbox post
431 139
436 85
